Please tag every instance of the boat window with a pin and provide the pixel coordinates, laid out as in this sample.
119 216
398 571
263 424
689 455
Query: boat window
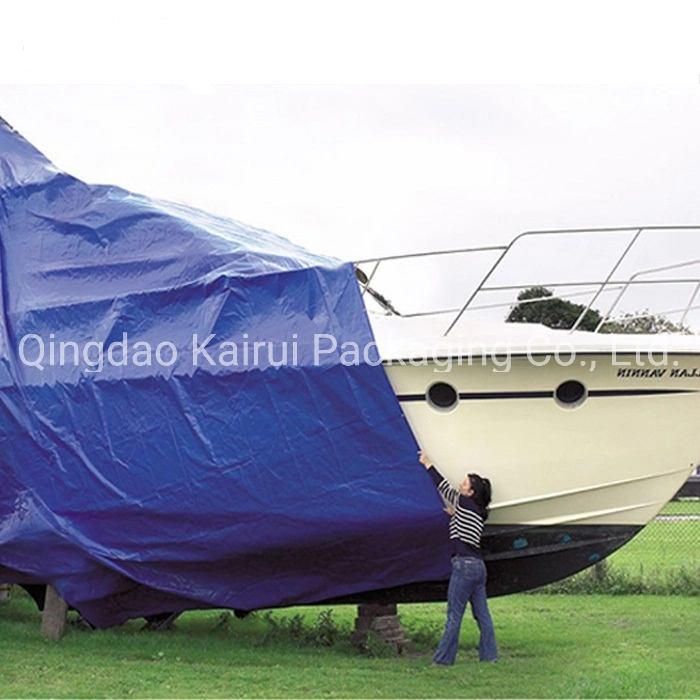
442 396
570 394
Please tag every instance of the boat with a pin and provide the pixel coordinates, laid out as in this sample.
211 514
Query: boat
584 435
141 475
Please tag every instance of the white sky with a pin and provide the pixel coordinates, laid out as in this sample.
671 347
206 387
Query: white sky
362 170
357 171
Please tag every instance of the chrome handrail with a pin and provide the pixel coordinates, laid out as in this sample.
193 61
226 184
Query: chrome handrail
603 285
503 304
629 247
453 251
651 271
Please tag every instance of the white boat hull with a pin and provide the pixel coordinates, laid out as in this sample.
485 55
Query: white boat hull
570 485
616 459
584 435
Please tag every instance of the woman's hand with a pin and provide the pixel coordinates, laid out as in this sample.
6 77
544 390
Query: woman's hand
423 459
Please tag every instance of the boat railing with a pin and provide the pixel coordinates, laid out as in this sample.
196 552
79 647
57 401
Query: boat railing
607 284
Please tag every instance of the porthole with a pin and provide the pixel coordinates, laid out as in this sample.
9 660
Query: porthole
442 396
570 394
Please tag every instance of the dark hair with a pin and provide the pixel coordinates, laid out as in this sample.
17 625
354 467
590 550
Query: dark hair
482 492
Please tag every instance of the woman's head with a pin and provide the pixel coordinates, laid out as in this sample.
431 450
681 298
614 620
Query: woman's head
478 489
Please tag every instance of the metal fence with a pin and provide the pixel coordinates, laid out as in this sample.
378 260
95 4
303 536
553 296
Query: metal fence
664 558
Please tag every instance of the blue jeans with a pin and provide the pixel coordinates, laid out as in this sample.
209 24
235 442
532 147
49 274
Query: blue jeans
467 584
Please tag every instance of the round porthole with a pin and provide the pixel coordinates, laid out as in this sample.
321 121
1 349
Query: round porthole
442 396
570 394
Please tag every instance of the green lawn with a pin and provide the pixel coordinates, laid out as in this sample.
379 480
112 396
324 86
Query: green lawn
551 647
661 546
558 646
685 507
664 558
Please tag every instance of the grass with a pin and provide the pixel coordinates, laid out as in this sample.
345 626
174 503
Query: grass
661 546
556 646
687 506
663 559
551 647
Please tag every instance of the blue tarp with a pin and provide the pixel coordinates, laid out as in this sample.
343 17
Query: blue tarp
140 473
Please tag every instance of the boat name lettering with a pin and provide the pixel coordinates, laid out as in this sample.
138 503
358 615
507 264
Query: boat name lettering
677 372
645 373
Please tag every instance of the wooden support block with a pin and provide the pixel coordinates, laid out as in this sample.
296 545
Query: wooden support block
53 620
386 622
383 622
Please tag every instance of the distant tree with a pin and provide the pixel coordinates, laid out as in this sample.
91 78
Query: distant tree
644 322
558 313
551 311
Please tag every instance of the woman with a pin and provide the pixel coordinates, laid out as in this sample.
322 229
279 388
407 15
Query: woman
468 508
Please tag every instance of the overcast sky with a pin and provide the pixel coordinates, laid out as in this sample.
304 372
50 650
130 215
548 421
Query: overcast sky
357 171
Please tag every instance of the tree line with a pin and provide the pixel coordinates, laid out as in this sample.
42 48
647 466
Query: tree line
558 313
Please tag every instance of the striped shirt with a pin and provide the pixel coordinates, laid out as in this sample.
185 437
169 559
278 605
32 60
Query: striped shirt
467 522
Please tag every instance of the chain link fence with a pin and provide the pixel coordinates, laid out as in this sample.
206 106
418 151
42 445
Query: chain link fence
663 559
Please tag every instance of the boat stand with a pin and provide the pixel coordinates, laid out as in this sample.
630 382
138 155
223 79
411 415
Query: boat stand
382 622
55 615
